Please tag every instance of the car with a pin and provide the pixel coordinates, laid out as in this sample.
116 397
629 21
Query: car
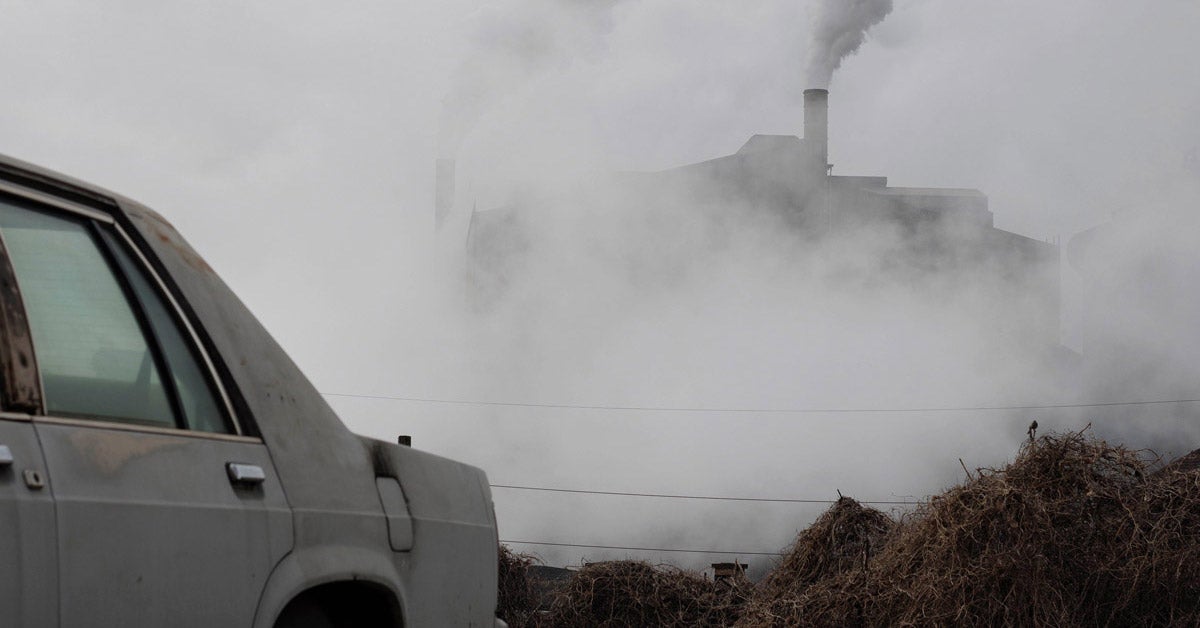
164 463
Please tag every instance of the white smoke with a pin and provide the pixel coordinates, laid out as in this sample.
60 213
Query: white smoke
839 28
511 43
632 301
620 295
1138 331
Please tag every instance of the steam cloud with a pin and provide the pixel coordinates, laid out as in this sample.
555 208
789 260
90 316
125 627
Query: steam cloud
609 297
1139 336
611 294
675 307
839 28
511 44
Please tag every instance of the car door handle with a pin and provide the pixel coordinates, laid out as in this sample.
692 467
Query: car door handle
245 474
6 458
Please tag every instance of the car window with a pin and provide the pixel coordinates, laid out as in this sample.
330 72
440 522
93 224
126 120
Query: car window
106 344
197 399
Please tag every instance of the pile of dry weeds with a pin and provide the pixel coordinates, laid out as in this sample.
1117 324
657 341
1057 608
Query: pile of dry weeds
841 540
633 593
517 601
1073 532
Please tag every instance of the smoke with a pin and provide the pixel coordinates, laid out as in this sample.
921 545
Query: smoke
219 119
673 323
511 43
676 321
694 295
1138 331
839 28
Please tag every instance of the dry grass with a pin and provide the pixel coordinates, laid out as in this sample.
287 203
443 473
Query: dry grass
1075 532
1072 533
517 601
633 593
841 540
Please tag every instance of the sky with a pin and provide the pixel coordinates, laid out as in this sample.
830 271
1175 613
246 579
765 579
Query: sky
294 144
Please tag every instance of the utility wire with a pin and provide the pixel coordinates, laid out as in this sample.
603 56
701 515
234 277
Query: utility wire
564 406
568 406
708 497
642 549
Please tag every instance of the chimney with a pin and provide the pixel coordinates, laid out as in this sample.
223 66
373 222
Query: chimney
443 193
816 125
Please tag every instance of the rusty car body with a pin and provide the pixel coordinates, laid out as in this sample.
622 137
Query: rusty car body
164 463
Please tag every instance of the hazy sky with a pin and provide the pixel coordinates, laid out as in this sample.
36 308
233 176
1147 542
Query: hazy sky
293 144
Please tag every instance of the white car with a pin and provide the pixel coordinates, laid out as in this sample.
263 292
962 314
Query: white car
163 463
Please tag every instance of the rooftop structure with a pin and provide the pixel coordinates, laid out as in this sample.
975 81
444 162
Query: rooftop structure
788 179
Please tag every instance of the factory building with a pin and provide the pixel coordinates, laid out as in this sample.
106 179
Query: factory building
939 232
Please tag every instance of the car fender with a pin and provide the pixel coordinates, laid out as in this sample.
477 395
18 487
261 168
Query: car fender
309 567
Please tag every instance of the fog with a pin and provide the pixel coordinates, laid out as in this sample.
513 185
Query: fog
680 342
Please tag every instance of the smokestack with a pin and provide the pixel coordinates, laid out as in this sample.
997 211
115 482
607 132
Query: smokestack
816 125
443 194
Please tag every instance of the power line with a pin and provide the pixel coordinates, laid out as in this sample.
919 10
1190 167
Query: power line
707 497
568 406
642 549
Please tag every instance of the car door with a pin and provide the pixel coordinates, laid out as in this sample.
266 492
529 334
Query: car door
28 558
167 508
28 589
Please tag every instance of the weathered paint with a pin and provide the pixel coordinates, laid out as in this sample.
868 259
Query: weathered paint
325 476
107 452
28 538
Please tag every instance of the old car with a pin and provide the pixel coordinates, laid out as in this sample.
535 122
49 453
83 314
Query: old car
164 463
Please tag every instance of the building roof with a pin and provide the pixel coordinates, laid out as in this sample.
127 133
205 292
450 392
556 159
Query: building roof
954 192
770 143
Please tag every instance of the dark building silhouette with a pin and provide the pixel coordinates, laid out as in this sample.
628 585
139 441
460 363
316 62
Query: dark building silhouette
786 180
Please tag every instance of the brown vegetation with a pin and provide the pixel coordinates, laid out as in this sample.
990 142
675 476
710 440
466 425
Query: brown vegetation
842 540
1074 532
634 593
518 600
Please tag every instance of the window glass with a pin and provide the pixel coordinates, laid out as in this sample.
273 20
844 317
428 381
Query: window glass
92 354
196 396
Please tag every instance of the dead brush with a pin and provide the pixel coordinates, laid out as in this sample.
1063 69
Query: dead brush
1072 533
842 539
517 600
633 593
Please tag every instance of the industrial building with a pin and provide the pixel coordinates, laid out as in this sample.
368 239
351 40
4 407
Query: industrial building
940 232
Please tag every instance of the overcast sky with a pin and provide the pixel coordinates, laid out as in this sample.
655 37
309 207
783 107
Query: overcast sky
293 144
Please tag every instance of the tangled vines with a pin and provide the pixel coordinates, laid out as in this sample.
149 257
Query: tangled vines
1074 532
517 601
634 593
